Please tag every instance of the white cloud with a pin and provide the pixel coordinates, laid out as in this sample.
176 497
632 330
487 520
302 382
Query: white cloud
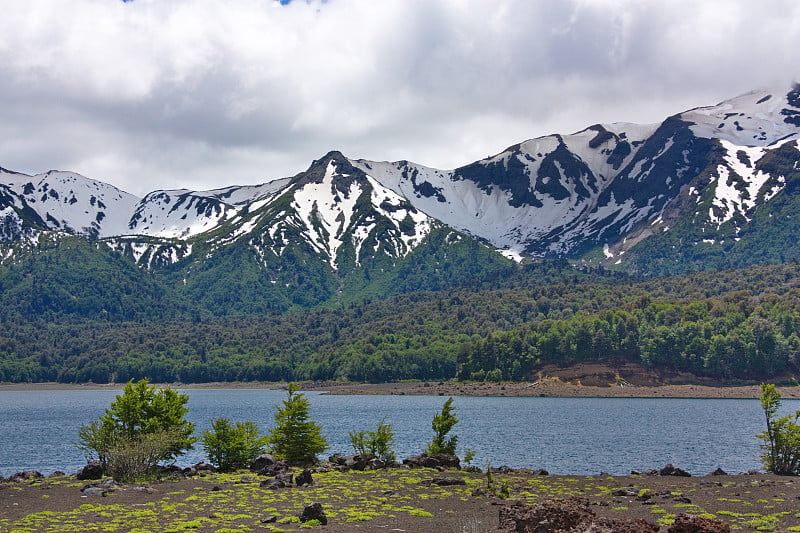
201 93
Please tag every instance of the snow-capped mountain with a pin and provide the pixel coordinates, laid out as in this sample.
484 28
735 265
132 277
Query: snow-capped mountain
704 182
563 195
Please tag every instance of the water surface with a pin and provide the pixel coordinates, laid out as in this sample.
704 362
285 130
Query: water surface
38 429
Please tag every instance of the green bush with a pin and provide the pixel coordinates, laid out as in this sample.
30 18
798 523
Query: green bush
137 460
442 423
781 448
376 443
143 427
230 447
295 438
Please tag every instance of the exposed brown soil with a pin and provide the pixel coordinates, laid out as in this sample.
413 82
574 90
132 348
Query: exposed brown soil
583 379
623 379
381 501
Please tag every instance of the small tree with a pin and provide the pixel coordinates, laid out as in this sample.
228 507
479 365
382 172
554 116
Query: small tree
230 447
781 446
442 423
295 438
376 443
143 427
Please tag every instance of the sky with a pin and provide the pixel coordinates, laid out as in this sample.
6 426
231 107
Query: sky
201 94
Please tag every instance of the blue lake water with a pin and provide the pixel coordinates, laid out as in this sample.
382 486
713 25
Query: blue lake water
38 429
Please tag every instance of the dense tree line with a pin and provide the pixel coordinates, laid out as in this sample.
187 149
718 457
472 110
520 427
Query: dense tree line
728 324
737 336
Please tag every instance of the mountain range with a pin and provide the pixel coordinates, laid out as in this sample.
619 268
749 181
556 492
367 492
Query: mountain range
709 188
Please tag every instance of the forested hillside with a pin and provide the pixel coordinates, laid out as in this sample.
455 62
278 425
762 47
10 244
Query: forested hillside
728 325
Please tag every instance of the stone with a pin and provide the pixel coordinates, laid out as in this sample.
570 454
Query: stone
554 516
304 478
199 469
376 464
670 470
313 511
355 462
446 481
286 478
280 467
567 515
94 491
433 461
27 475
718 472
171 471
696 524
92 470
273 484
262 461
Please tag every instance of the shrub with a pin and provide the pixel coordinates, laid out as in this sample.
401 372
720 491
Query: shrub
230 447
376 443
137 460
295 438
781 446
143 426
442 423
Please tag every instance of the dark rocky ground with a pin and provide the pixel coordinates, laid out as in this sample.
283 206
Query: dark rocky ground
393 500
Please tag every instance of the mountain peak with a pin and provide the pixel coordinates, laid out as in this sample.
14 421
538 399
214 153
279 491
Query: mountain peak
595 193
756 118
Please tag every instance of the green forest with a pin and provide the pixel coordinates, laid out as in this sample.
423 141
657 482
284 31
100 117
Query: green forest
732 325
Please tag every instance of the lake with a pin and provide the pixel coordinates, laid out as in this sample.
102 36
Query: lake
38 429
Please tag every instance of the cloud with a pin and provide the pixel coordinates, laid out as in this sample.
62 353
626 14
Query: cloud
200 93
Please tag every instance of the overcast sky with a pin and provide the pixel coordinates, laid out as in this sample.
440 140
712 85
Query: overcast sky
199 94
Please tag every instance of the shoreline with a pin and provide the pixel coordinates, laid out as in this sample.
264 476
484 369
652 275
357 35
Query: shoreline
553 389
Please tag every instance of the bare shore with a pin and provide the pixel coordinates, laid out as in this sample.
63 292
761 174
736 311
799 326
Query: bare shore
550 388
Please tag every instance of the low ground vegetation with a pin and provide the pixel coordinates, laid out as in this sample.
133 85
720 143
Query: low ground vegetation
389 499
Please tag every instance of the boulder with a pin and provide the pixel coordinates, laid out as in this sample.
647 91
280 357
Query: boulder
568 515
262 461
670 470
377 464
169 471
304 478
199 469
27 475
356 462
313 511
696 524
92 470
272 484
553 516
276 469
718 472
433 461
94 491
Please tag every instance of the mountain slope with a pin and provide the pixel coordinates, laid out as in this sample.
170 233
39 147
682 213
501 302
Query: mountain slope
605 186
711 187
